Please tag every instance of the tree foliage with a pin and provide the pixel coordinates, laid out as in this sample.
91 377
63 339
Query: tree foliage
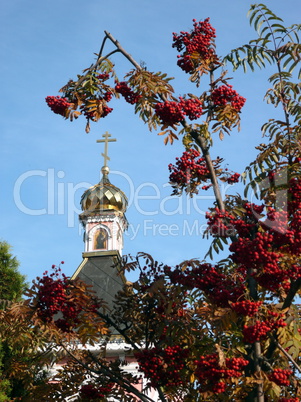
200 331
12 283
12 287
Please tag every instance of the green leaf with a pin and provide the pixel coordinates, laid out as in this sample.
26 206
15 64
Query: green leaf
219 243
215 246
258 23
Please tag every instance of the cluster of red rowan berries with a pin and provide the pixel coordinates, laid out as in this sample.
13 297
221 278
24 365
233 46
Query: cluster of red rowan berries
253 210
258 254
189 166
218 287
261 329
163 367
106 110
107 96
190 171
191 107
172 112
103 76
224 95
211 374
246 307
242 226
234 178
294 272
58 104
90 114
295 224
280 377
260 250
271 175
169 112
104 97
289 400
261 244
200 41
294 213
222 223
286 235
295 193
129 95
277 221
219 223
90 392
264 252
55 298
254 252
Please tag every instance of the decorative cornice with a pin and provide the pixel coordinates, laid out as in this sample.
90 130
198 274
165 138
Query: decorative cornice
112 253
104 217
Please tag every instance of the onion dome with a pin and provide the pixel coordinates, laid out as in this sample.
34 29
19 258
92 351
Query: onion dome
104 196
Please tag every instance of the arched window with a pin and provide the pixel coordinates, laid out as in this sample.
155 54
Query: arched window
100 240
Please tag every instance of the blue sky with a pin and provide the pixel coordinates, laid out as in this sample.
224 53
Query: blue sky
47 162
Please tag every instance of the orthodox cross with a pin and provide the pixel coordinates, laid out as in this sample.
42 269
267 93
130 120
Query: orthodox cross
106 140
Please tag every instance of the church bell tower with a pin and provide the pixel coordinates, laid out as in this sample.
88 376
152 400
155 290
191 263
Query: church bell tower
104 222
103 216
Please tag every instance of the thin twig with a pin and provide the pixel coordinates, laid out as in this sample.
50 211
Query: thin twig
206 154
111 323
121 50
289 357
93 67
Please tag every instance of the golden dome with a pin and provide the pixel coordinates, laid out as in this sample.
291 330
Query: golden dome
104 196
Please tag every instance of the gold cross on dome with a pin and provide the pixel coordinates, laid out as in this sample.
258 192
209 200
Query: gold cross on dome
106 140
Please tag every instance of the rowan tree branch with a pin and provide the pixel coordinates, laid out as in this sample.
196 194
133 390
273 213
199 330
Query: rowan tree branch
288 356
102 58
194 134
295 286
121 50
206 154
